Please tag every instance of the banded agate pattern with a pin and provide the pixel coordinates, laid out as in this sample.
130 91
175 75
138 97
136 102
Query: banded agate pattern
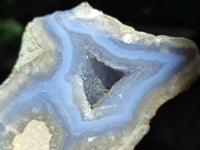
93 81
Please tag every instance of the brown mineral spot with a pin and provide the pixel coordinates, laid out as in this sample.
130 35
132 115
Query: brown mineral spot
106 90
36 136
30 49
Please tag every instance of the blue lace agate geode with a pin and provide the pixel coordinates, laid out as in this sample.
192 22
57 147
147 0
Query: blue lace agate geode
95 82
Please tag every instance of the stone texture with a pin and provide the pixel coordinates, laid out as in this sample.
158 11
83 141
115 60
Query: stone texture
90 82
36 136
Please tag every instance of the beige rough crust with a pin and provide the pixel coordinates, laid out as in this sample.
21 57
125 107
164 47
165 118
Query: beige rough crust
136 129
36 136
30 64
125 33
150 103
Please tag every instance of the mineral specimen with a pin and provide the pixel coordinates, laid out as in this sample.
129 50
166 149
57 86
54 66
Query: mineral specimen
85 81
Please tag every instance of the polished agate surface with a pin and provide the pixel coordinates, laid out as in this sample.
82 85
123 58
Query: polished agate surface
93 82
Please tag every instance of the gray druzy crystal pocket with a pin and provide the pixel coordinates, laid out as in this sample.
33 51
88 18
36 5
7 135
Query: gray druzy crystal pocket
83 80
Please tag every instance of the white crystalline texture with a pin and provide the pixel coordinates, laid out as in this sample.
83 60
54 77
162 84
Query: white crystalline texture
37 133
85 81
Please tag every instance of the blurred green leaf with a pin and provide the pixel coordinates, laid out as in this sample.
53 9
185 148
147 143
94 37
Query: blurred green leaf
10 30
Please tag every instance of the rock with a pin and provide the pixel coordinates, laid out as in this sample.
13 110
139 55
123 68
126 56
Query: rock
90 82
36 136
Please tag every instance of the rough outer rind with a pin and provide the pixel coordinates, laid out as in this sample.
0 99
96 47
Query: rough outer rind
125 33
157 97
29 62
146 109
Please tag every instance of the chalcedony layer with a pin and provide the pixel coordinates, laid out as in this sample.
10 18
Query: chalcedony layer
90 82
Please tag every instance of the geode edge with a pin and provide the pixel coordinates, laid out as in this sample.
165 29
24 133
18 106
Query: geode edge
41 56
